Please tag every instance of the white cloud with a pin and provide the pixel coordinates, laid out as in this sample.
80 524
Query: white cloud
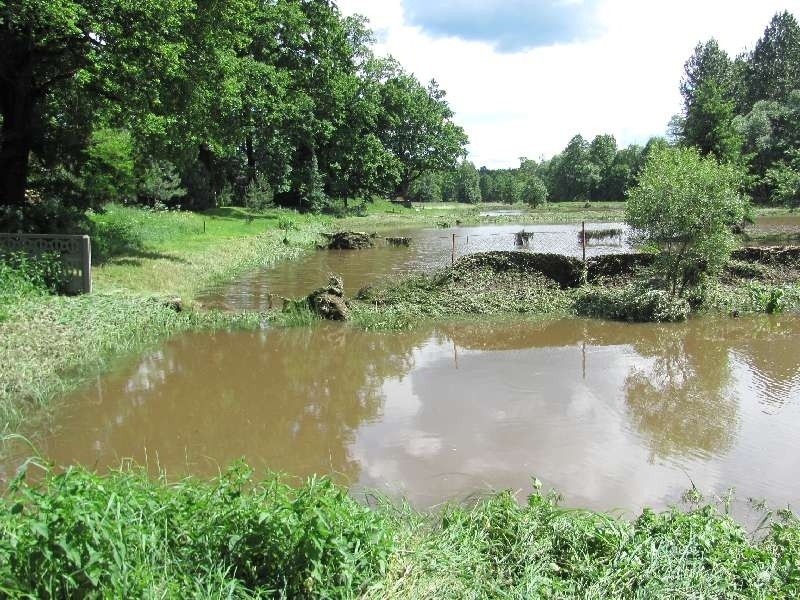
531 103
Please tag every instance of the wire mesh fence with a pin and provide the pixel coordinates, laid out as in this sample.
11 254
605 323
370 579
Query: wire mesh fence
579 241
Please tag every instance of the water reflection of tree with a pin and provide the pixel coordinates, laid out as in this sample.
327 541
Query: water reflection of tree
682 400
291 400
769 346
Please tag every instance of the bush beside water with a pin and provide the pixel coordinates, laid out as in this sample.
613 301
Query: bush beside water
632 303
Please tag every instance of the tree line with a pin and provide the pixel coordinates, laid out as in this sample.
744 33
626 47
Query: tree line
205 103
589 171
745 110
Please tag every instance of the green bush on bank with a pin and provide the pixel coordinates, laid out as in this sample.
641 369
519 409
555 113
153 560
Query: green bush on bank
23 276
82 535
632 303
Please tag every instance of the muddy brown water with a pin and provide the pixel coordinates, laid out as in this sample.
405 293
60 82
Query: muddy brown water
429 249
612 415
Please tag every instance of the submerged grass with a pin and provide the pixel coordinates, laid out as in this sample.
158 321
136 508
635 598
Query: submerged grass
77 534
50 344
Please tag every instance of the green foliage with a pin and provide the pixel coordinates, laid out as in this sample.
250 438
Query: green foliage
747 111
124 535
534 193
258 195
684 205
709 96
467 183
23 276
426 188
415 125
784 179
78 534
573 173
161 185
633 303
108 172
768 299
245 103
773 68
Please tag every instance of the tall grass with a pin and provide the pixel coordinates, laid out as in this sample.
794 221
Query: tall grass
180 253
125 536
77 534
23 277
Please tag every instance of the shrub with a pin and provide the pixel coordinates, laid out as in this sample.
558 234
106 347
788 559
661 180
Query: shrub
258 196
44 272
161 184
82 535
22 276
766 298
633 303
685 205
115 236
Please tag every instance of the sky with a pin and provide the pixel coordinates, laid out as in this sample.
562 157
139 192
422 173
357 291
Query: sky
524 76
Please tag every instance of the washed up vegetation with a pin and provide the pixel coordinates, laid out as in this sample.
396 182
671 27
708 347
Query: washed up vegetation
77 534
348 240
622 287
523 238
602 235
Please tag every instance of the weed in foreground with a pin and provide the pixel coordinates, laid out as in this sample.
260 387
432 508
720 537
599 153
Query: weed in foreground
124 535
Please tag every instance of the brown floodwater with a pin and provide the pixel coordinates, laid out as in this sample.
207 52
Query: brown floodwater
429 249
612 415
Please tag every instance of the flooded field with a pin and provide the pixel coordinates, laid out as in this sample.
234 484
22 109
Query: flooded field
429 249
612 415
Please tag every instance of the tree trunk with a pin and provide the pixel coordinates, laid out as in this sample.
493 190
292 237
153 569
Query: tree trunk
251 159
405 187
17 101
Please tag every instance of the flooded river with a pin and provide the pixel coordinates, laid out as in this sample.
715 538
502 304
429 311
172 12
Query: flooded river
612 415
429 249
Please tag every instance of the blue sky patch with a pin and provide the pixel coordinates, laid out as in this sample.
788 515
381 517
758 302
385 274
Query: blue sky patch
509 25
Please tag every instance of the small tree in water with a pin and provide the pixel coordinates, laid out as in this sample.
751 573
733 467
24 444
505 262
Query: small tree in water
685 205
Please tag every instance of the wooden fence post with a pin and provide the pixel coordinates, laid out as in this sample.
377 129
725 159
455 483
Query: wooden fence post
453 254
583 240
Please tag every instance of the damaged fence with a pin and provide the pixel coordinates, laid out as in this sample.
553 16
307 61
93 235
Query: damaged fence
75 252
581 241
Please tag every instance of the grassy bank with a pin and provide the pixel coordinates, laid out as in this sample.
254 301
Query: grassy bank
122 535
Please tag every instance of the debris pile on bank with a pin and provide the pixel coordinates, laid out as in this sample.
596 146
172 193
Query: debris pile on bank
781 255
564 270
329 303
348 240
